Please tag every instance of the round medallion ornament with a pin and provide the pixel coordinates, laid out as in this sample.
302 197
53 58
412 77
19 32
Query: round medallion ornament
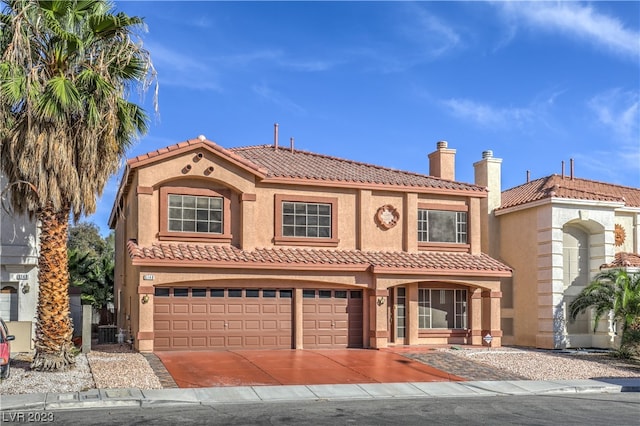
620 234
387 216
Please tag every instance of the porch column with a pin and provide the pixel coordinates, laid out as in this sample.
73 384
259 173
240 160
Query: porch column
378 330
145 335
298 337
411 314
475 316
491 316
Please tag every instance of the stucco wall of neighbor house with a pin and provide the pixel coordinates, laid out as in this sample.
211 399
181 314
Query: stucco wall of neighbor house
19 270
519 250
598 220
629 222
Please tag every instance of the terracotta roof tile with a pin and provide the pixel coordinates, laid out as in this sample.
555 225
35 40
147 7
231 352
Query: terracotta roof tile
555 186
436 261
623 260
284 162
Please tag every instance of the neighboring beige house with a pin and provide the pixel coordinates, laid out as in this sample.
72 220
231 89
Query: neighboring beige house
271 247
18 272
556 233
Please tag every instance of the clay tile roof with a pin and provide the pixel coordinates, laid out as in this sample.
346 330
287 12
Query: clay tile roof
555 186
212 254
307 165
623 260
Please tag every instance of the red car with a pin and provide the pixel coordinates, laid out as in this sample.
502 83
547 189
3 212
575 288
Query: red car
5 350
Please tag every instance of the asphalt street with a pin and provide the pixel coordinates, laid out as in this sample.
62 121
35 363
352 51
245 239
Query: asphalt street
619 409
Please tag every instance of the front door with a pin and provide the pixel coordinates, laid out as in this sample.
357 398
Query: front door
397 314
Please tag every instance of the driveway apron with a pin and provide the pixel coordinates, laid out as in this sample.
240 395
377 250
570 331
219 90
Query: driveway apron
196 369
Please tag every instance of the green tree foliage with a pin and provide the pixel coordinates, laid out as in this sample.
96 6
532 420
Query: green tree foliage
85 237
66 70
91 264
615 291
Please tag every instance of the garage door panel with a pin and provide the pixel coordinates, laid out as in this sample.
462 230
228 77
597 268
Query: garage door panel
161 308
198 308
199 325
235 341
180 342
199 342
216 321
160 325
216 308
269 325
235 308
180 325
269 309
252 309
235 324
325 309
180 308
333 321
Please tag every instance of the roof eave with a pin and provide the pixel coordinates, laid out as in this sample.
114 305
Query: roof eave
479 193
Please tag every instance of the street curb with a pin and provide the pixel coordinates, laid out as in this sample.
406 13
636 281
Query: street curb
122 398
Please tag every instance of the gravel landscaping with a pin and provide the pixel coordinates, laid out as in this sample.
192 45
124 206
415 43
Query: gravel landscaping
114 366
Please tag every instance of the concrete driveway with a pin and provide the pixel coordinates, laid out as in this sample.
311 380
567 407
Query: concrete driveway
197 369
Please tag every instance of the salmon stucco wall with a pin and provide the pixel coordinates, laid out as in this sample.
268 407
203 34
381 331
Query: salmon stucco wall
519 250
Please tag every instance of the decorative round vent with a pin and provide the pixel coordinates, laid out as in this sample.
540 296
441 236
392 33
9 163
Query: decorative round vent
387 216
620 234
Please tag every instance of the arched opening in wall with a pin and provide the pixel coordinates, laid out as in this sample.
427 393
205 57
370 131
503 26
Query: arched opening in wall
575 259
8 302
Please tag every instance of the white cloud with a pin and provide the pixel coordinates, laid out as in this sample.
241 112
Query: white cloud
580 21
278 98
182 70
618 111
434 34
487 115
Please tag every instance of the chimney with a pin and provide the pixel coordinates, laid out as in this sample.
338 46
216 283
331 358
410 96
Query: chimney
488 173
442 162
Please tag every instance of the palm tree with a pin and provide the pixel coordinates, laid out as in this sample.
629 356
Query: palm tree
66 69
616 291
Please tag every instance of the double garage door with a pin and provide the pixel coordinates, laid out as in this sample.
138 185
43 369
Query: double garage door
238 318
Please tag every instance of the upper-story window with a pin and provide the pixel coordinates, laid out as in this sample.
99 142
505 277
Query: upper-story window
188 213
301 220
194 214
306 219
443 226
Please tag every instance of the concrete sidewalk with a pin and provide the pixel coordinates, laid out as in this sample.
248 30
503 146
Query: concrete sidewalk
113 398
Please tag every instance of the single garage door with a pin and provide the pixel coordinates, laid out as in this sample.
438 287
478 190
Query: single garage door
216 318
332 318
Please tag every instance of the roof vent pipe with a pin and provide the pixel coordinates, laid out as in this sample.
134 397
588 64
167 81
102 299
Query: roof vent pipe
528 176
291 141
562 169
275 136
571 162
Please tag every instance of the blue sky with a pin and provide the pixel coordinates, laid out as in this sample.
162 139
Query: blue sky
382 82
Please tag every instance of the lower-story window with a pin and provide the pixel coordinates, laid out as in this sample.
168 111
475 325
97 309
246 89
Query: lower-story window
442 308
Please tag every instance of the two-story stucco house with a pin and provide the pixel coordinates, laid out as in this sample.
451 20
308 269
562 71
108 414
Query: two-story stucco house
18 271
271 247
557 232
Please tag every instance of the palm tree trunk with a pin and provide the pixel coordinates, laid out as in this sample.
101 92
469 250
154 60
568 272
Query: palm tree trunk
54 330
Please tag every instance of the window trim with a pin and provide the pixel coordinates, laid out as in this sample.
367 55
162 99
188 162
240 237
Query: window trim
279 239
442 246
465 317
167 235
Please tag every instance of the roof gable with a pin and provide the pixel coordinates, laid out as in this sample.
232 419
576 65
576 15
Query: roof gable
563 187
